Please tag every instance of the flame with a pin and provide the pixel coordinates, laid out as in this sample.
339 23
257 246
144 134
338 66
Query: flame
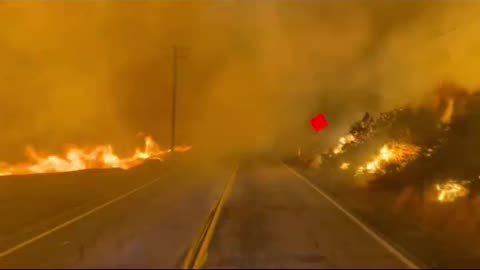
399 154
450 191
342 142
452 99
345 166
76 158
448 113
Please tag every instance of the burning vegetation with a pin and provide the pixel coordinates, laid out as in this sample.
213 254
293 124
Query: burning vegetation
451 190
82 158
408 142
397 154
413 165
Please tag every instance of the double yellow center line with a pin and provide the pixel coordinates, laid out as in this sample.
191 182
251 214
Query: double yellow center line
198 252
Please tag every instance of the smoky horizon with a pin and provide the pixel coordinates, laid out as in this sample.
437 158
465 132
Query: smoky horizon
250 75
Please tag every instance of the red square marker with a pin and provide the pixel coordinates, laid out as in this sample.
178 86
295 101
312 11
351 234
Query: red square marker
319 122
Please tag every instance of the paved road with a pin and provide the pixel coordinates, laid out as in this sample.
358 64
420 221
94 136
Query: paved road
274 220
153 227
271 219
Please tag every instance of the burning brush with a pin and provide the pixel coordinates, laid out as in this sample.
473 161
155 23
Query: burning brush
442 134
451 190
76 158
342 142
396 154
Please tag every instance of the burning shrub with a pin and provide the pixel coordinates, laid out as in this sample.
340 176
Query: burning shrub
396 155
451 190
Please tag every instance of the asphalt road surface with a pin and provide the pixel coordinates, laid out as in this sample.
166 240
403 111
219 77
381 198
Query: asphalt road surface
274 219
151 227
149 217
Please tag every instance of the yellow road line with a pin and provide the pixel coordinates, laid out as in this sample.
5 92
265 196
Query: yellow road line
198 253
355 220
71 221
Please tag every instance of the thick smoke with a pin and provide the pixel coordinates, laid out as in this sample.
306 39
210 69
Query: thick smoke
251 73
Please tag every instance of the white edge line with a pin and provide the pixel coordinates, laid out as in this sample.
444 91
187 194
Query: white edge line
73 220
378 238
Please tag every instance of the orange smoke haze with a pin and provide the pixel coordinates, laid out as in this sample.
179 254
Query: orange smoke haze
250 76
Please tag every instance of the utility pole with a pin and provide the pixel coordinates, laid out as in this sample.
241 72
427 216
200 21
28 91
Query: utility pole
176 55
174 95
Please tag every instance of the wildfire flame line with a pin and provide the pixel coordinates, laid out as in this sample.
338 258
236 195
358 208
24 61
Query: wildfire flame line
76 158
399 154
